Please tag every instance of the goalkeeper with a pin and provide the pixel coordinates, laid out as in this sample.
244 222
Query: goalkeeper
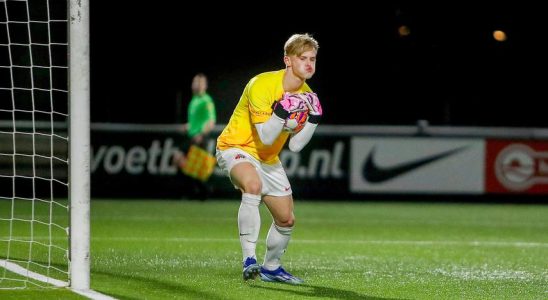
248 148
201 120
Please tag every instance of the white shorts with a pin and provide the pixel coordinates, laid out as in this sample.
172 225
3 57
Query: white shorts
273 177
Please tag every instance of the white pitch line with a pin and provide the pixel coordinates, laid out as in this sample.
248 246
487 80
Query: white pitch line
91 294
15 268
380 242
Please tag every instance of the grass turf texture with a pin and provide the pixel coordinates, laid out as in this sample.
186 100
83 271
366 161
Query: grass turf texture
344 250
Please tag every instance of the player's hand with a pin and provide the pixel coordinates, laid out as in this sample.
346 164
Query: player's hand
288 104
313 104
315 110
179 159
197 139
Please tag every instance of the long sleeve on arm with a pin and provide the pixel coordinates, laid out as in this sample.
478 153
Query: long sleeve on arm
270 130
301 139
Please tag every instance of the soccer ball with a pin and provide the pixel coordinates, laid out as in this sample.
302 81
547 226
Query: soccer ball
295 121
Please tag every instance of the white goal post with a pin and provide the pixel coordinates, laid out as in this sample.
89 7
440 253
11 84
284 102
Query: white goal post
79 145
44 144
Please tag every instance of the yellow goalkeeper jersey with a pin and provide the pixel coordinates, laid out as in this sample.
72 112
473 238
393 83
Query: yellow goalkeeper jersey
255 106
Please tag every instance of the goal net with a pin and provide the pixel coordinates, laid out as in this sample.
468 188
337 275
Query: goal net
34 144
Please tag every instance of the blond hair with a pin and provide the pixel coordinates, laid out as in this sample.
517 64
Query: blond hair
299 43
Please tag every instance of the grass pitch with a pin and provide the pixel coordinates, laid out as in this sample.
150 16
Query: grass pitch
344 250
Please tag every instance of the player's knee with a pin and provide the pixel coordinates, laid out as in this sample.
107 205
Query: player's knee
253 187
286 222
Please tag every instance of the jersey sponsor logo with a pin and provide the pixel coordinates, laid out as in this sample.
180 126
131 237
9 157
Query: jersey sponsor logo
259 112
377 174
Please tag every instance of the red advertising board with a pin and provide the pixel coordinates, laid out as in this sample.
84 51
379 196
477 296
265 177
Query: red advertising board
516 167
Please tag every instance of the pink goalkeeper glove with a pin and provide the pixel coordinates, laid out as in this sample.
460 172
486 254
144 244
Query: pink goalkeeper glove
288 104
314 107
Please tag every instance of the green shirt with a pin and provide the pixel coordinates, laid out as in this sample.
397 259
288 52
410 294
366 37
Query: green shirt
201 110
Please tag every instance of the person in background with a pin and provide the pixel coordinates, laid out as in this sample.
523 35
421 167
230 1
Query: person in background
201 120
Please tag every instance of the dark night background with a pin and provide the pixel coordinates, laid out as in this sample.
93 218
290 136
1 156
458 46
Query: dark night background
449 70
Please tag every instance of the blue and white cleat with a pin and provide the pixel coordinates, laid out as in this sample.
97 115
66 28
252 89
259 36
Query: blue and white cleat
251 268
279 275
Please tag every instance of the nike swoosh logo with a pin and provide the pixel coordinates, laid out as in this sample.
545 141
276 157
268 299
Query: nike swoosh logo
375 174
